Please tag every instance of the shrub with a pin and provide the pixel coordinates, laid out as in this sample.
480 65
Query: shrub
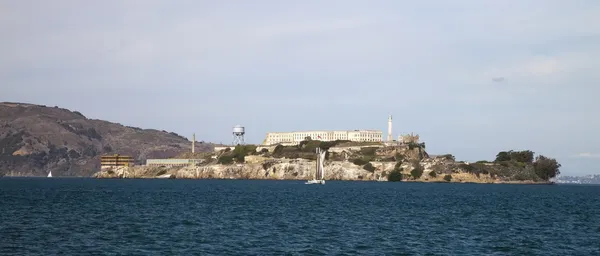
432 174
448 177
74 154
369 167
360 161
417 171
369 151
267 165
398 165
466 167
448 157
399 157
394 176
225 159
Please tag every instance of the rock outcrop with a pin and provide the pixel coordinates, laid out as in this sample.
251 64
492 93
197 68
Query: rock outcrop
302 169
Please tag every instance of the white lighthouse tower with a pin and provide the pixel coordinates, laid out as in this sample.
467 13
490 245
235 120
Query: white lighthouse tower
390 138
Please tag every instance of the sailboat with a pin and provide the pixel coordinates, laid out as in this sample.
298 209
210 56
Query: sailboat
320 171
50 174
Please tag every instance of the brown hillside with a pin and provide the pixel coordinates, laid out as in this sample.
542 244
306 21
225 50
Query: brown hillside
35 139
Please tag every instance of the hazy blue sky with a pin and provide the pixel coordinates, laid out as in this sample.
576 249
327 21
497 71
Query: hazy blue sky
204 66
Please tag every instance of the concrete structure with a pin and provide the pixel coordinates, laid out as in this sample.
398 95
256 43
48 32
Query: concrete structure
116 160
408 138
390 138
193 143
238 135
173 162
294 138
259 148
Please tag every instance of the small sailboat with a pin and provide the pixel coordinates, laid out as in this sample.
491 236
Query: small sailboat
50 174
320 170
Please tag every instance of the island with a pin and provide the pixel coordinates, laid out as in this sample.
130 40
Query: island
38 140
345 160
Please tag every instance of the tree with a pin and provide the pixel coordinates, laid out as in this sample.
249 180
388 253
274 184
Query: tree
417 171
546 168
502 156
525 156
448 177
395 175
432 174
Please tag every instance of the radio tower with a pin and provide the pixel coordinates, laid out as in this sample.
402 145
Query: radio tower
390 138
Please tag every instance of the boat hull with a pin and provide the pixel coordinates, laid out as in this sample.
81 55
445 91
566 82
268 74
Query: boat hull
322 182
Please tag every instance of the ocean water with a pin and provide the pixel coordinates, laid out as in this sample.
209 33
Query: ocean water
71 216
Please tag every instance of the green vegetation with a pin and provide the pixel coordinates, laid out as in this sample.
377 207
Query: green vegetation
448 157
546 168
369 167
399 157
432 174
225 159
413 145
360 161
448 177
368 151
525 156
395 175
417 171
516 165
237 154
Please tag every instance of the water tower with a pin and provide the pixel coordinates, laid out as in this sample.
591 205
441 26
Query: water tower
238 135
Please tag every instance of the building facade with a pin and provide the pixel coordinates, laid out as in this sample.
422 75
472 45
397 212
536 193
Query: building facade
116 160
172 162
294 138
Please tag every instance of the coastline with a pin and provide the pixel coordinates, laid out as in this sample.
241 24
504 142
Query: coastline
295 169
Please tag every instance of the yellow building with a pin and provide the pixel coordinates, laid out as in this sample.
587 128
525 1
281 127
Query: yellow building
294 138
116 160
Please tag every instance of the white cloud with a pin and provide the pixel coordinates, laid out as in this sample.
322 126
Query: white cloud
586 155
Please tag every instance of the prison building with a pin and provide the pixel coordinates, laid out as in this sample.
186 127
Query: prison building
294 138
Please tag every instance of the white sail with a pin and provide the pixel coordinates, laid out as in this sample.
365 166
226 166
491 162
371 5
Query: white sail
319 170
322 165
50 174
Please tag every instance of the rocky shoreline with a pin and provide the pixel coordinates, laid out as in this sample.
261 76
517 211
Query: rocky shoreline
300 169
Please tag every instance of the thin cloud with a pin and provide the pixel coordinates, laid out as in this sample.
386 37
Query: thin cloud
587 155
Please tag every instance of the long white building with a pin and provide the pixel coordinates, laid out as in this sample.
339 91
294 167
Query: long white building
294 138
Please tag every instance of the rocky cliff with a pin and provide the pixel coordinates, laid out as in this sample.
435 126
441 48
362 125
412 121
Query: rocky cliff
35 139
411 164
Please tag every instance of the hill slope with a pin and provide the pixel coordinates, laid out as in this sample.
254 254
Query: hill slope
35 139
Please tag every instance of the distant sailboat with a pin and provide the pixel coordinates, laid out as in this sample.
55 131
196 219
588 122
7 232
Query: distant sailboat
50 174
320 170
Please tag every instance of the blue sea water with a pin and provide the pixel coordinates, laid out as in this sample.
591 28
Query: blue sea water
72 216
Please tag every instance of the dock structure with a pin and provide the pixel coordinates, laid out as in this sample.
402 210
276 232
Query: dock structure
116 160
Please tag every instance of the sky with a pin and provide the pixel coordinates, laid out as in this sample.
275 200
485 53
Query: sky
471 77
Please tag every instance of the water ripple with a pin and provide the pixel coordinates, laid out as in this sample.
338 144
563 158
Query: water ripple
211 217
